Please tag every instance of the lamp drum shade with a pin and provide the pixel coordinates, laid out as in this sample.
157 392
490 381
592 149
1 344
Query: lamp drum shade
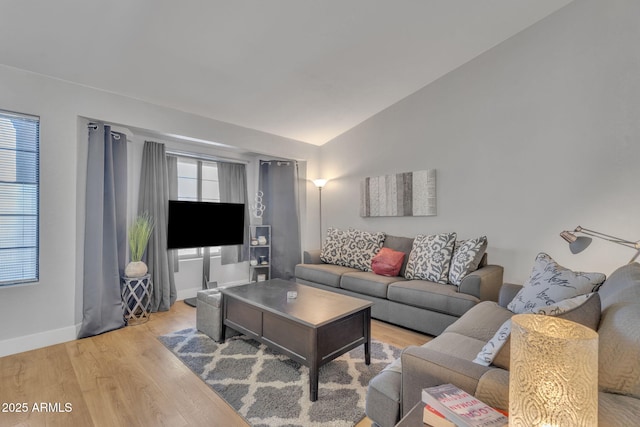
554 373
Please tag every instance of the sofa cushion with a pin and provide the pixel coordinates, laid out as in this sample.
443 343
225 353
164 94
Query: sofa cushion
361 247
454 344
367 283
387 262
481 321
401 244
619 332
622 285
615 410
432 296
327 274
550 283
587 313
619 347
466 258
430 257
333 246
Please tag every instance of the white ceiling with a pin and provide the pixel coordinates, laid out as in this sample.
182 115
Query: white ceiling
304 69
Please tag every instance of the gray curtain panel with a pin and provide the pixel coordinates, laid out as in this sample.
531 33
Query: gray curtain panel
232 179
154 199
105 236
279 182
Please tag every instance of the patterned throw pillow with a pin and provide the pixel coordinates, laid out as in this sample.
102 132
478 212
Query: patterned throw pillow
550 283
491 348
467 255
430 257
564 306
361 247
567 309
333 246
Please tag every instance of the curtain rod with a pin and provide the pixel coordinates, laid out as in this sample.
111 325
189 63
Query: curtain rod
116 135
278 162
199 156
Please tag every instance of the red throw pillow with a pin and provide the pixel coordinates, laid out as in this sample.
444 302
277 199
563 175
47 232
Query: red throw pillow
387 262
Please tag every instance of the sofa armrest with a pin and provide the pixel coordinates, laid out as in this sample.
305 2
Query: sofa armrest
484 283
507 292
312 257
493 389
423 367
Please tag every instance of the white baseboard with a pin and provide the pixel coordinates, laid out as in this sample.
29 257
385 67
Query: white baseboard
39 340
69 333
187 293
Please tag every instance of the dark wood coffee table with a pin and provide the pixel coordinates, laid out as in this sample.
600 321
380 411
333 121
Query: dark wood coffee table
312 329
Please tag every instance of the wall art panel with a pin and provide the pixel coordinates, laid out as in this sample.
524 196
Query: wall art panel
401 194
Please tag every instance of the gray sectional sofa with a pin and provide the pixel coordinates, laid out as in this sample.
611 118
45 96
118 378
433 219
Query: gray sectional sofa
416 304
448 358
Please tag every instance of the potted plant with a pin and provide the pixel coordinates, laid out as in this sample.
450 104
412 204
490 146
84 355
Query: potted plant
139 234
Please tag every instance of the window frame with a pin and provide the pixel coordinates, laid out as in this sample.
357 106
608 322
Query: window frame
32 198
214 251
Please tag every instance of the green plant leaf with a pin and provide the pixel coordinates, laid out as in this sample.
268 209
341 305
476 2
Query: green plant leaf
139 234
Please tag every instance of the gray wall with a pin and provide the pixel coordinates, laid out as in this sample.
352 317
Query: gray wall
537 135
48 312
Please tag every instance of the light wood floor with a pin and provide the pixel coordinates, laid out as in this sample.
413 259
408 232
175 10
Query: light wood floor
125 378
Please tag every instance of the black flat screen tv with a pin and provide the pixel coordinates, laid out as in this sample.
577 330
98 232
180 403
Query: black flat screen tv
201 224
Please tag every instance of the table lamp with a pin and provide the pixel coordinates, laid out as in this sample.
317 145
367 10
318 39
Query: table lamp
554 373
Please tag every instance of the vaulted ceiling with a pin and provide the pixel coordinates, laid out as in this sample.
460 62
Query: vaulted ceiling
303 69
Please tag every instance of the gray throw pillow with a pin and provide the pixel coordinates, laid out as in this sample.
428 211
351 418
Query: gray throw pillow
430 257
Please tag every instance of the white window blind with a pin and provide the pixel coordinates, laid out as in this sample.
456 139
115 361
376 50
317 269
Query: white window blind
19 197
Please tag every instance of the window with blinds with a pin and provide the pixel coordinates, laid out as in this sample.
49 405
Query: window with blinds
197 182
19 197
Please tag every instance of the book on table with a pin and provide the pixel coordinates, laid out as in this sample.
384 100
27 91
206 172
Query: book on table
461 408
434 418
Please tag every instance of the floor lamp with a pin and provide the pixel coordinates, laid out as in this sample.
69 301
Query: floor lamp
579 243
320 183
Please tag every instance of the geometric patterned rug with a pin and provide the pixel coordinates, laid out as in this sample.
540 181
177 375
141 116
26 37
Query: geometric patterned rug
269 389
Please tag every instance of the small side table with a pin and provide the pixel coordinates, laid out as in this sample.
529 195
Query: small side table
136 299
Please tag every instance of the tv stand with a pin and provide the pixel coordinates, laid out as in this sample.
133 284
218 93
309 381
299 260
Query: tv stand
206 267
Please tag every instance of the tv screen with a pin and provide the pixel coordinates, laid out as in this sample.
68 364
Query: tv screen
200 224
